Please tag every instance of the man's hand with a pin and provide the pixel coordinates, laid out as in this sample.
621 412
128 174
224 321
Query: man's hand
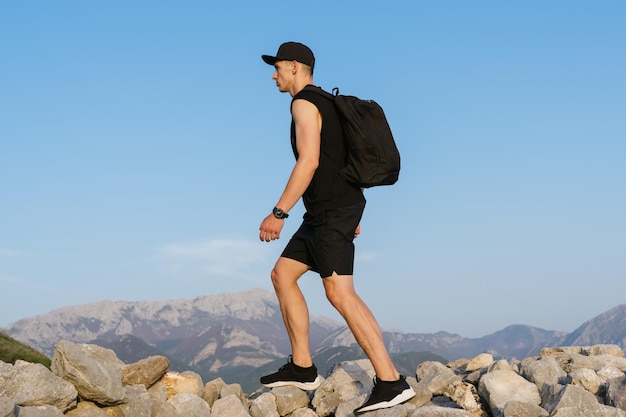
270 228
357 232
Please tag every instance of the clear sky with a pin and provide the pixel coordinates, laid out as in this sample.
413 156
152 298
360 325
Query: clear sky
142 143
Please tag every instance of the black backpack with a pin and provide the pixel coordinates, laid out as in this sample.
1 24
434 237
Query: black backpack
373 158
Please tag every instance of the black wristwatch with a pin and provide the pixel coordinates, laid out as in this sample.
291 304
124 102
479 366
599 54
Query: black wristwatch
279 213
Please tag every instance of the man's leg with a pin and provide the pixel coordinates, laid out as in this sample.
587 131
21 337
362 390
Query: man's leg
299 371
293 307
390 388
340 292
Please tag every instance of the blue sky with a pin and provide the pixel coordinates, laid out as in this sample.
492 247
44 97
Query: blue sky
142 143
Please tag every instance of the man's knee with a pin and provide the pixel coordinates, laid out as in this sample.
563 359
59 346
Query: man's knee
287 271
338 292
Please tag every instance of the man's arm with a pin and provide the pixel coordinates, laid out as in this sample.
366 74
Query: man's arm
308 124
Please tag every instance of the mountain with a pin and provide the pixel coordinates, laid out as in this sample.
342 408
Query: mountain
609 327
238 336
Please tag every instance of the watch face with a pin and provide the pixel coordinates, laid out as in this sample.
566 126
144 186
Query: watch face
279 213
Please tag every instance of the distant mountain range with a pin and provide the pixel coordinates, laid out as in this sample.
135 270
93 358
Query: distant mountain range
239 336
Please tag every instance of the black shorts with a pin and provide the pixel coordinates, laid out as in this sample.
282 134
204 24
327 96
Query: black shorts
324 242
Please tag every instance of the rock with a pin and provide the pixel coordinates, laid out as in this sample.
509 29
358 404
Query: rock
573 361
466 397
521 409
38 411
228 407
616 392
146 372
158 398
234 389
177 383
7 407
86 409
545 371
597 350
189 405
609 372
499 387
574 401
345 383
481 361
34 385
95 371
586 379
422 393
289 399
506 389
139 401
212 390
264 406
436 376
303 412
437 411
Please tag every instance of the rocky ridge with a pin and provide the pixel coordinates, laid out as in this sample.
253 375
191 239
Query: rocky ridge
90 381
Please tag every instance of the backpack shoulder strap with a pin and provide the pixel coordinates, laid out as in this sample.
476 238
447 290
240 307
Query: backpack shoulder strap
322 92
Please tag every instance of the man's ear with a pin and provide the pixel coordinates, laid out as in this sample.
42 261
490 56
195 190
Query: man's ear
294 67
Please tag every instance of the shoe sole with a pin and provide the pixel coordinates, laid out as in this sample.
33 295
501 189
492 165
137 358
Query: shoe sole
307 386
405 395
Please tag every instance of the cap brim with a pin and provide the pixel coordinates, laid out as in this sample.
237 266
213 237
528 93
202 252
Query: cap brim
271 60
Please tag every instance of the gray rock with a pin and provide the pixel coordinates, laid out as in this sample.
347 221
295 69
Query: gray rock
578 361
34 385
96 372
499 387
521 409
503 364
596 350
158 397
139 401
146 372
234 389
436 376
303 412
609 372
422 393
264 406
189 405
212 390
586 379
7 407
39 411
575 401
346 383
543 371
230 406
616 392
437 411
289 399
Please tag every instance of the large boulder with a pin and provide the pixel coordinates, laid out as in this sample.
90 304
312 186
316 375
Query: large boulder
96 372
499 387
32 384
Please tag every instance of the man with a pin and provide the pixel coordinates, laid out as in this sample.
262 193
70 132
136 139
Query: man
324 241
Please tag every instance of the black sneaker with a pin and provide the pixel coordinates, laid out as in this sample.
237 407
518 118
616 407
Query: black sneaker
387 394
307 380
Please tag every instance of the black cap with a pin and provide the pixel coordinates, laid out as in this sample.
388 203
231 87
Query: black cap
292 51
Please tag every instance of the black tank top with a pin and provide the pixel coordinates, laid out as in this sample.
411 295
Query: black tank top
328 189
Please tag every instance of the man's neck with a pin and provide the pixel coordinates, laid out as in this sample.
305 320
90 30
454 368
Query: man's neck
300 84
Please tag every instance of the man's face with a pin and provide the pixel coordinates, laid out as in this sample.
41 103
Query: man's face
283 75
